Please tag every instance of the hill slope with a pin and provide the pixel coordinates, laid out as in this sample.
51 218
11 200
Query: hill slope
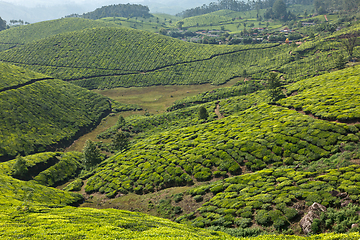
38 112
116 57
308 157
18 36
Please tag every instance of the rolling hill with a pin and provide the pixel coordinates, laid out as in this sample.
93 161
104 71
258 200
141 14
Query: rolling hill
307 156
39 112
119 57
21 35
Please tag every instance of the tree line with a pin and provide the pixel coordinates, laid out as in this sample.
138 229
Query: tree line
118 10
234 5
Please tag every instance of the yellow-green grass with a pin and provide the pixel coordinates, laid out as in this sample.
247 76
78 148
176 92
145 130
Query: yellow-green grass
105 123
87 223
11 75
156 99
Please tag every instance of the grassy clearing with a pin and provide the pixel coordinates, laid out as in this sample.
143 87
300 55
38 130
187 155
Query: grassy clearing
157 99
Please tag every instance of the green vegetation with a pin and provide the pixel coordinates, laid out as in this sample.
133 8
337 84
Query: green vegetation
98 58
119 10
236 160
330 96
256 138
274 198
39 113
21 35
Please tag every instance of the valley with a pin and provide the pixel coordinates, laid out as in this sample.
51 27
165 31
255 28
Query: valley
112 127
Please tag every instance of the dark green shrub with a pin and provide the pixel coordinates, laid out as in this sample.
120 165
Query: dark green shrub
204 175
243 222
178 197
178 210
246 214
290 213
198 198
315 226
262 217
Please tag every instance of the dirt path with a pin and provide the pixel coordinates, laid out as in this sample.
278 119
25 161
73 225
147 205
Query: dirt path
217 112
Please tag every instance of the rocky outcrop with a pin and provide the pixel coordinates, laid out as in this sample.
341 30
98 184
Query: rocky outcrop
314 212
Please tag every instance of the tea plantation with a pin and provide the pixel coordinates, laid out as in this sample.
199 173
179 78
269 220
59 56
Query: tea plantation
108 57
21 35
38 112
250 167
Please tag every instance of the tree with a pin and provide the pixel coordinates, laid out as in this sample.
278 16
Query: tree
19 169
120 122
203 114
340 62
163 31
349 43
2 24
120 141
180 24
279 9
92 155
274 87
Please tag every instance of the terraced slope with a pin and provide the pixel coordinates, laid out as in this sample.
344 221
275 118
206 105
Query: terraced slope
332 96
29 210
21 35
257 138
38 112
277 199
109 57
114 57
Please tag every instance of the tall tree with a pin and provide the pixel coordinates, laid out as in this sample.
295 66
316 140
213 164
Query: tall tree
19 169
2 24
203 114
279 9
92 155
349 43
120 141
274 87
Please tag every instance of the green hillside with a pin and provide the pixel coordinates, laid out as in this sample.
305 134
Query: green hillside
101 58
32 211
21 35
39 113
304 158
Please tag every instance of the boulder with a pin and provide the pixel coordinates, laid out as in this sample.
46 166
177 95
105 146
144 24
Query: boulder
314 212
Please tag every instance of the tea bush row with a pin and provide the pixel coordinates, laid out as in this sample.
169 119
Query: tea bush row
332 96
44 114
273 197
256 138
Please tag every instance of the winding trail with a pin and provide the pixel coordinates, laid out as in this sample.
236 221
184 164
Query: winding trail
217 112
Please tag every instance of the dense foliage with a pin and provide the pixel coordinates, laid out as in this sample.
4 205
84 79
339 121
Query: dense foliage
118 10
44 113
12 76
